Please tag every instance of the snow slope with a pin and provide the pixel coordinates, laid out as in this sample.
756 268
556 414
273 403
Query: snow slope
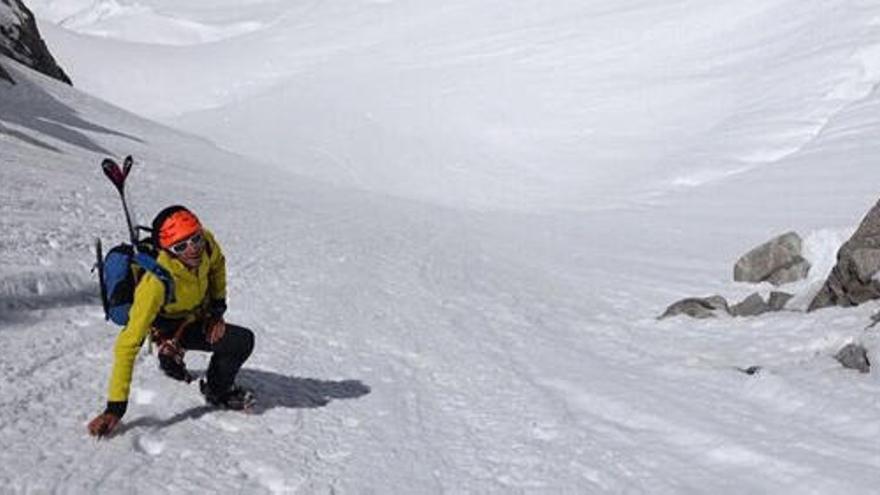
569 104
405 346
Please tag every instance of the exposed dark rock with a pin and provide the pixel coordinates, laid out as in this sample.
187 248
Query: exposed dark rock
875 319
753 305
854 356
751 370
778 300
697 307
777 261
852 280
5 75
709 307
20 40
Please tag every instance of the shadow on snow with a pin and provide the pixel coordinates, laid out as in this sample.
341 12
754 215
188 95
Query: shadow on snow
23 293
272 390
35 109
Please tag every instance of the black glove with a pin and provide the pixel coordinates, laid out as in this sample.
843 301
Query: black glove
171 361
217 308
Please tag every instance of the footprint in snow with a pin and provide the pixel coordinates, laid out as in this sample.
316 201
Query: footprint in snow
227 423
143 396
544 432
80 322
149 444
270 478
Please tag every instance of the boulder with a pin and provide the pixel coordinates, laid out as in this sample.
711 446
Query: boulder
852 281
777 261
778 300
753 305
697 307
854 356
797 270
20 40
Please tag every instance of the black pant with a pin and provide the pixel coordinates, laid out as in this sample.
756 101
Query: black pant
228 354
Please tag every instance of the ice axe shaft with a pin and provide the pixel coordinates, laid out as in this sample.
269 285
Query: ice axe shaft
117 176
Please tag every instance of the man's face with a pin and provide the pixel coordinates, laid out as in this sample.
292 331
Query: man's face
189 250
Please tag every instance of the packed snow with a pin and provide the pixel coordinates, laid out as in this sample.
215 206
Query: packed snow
452 227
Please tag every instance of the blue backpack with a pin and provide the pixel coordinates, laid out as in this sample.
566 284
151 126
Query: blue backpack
119 273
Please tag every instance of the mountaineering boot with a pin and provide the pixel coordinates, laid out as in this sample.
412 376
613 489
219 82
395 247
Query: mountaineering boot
171 360
236 398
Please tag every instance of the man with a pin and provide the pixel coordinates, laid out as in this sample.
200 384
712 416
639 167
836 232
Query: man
192 319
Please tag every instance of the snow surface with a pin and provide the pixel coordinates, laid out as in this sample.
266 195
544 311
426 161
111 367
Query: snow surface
486 104
466 301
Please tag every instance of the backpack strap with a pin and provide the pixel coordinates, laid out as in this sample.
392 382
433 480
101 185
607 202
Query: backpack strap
150 264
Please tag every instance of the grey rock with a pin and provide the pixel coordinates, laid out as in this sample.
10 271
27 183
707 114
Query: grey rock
697 307
875 319
777 261
797 270
866 262
778 300
753 305
854 356
5 75
852 280
21 41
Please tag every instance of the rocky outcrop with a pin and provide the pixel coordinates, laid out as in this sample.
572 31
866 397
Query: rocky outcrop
854 356
778 300
853 280
5 75
710 307
20 40
777 261
753 305
697 307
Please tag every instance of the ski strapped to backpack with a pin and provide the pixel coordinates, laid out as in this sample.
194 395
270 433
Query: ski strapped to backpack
120 271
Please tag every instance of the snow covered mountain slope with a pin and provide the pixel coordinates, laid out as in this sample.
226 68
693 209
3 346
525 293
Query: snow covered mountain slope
408 347
568 104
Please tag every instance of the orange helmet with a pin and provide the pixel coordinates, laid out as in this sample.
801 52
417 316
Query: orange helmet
174 224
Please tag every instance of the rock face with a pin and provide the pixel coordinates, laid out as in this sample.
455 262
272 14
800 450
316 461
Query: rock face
5 75
854 357
777 261
852 280
20 40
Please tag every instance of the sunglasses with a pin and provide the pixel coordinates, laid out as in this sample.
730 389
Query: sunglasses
195 240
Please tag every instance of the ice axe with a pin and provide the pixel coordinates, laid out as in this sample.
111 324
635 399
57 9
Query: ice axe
117 176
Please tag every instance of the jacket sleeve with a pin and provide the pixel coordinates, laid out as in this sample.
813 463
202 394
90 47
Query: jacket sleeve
148 298
216 279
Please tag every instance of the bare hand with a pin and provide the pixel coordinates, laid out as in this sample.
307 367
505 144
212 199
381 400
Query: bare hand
216 330
103 425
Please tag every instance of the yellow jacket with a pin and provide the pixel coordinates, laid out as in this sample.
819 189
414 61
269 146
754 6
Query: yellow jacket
193 291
